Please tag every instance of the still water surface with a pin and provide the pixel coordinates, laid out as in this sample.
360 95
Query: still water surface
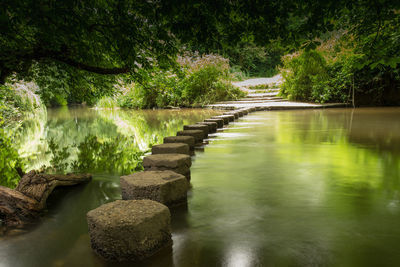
282 188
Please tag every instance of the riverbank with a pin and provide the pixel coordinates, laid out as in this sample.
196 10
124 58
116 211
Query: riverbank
264 94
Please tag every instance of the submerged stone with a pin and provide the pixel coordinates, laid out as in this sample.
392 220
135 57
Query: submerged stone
167 187
179 163
129 229
169 148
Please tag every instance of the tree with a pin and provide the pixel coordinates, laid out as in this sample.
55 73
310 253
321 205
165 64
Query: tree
110 37
101 37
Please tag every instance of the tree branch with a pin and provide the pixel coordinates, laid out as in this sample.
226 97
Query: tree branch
83 66
58 56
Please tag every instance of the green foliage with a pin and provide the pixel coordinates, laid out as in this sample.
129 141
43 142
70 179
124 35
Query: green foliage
259 86
116 156
62 44
17 101
364 59
201 80
305 77
10 162
60 156
256 61
103 37
67 85
107 102
74 49
237 74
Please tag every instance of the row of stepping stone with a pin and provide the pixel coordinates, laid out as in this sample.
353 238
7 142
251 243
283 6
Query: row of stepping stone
139 225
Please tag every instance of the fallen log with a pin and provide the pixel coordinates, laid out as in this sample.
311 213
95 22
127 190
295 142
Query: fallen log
22 205
15 208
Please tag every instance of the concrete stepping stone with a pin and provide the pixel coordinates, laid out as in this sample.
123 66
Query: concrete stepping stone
230 117
197 134
203 128
129 229
244 111
225 119
232 113
189 140
212 126
171 148
241 113
179 163
167 187
220 122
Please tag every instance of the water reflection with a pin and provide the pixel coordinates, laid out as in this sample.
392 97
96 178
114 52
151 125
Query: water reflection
72 126
298 188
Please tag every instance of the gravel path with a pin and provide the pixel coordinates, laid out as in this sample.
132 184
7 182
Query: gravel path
276 80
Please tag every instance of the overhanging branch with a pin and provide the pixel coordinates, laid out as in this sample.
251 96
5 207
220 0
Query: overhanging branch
98 70
59 56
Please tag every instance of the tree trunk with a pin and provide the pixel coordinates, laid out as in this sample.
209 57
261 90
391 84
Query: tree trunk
22 205
15 208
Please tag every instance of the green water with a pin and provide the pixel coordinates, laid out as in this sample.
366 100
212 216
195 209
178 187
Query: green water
69 127
282 188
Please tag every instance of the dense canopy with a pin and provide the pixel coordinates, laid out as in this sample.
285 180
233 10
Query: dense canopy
82 44
114 37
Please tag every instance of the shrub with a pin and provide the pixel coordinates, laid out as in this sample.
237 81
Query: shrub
107 102
58 85
256 61
201 80
304 76
10 162
363 60
18 100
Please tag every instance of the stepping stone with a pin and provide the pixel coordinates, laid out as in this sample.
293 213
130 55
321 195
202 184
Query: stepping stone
232 113
169 148
129 229
167 187
222 117
212 126
235 113
244 111
203 128
230 117
220 122
189 140
178 163
197 134
241 114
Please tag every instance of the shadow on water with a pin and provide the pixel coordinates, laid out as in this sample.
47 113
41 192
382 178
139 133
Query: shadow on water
284 188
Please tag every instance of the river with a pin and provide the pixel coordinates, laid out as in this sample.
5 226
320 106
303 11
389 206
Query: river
277 188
